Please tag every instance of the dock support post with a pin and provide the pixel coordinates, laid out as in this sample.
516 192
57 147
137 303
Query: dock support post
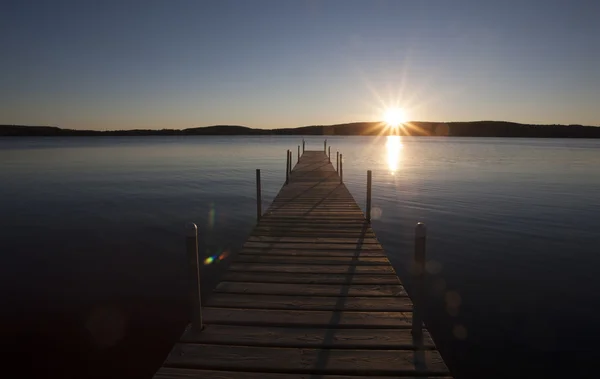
303 144
325 146
341 168
419 272
369 177
258 196
298 154
191 241
287 167
337 162
329 154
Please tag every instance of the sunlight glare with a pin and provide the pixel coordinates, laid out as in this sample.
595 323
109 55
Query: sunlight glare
394 146
394 117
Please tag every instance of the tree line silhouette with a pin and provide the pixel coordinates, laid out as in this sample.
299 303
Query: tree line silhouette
453 129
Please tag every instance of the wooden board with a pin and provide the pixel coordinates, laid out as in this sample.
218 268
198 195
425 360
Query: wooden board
184 373
306 337
319 319
313 252
312 303
302 360
314 240
312 289
315 269
286 259
312 246
258 277
316 232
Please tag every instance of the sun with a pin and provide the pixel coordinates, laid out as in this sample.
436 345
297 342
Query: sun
394 117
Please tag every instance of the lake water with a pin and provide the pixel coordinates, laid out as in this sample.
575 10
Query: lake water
93 262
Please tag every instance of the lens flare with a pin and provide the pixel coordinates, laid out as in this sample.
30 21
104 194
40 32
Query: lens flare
216 258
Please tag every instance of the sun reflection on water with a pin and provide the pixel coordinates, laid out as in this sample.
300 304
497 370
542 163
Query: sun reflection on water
394 148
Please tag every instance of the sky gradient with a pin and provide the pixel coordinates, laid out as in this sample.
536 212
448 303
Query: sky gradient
178 64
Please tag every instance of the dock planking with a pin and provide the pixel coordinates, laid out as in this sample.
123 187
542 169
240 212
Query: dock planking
311 294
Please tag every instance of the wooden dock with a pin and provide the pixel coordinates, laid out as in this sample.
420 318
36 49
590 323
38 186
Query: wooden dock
311 295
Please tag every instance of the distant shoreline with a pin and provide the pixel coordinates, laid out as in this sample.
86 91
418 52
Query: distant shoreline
451 129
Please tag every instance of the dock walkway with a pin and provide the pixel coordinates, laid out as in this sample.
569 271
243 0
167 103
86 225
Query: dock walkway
311 295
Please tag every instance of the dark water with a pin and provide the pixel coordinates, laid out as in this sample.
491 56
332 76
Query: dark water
93 262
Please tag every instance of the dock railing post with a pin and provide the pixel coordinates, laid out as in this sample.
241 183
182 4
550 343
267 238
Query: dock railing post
369 176
191 241
329 154
337 161
258 196
298 154
341 168
325 146
419 276
303 145
287 167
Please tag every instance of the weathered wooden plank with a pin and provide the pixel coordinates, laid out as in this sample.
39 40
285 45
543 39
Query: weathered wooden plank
332 219
313 246
315 361
306 337
309 226
308 234
320 240
311 303
186 373
315 269
366 261
316 208
312 289
328 204
282 233
316 253
259 277
298 318
318 214
347 203
314 218
321 196
312 228
349 225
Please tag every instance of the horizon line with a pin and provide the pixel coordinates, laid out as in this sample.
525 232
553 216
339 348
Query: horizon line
295 127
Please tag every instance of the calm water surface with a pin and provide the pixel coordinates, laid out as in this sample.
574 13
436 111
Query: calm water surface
93 264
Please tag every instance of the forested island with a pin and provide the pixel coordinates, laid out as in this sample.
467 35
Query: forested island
452 129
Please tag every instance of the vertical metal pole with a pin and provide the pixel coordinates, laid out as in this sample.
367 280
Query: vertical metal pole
341 168
258 196
369 196
191 242
419 271
329 154
337 161
287 167
298 154
290 166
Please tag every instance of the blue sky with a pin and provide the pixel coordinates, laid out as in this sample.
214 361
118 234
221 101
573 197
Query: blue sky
178 64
